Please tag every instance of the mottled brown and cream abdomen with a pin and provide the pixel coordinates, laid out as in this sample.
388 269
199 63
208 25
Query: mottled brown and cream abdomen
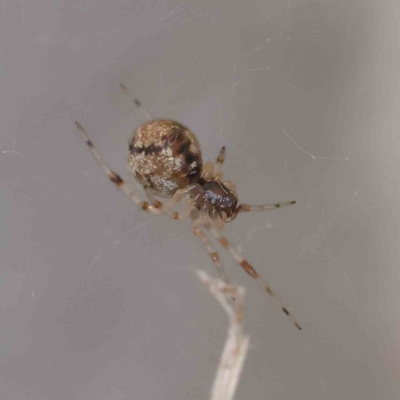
165 156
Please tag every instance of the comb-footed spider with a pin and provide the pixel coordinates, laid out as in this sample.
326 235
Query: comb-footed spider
165 158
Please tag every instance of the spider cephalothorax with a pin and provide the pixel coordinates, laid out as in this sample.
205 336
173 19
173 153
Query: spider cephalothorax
216 200
165 158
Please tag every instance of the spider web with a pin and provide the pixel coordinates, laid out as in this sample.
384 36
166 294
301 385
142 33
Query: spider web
100 297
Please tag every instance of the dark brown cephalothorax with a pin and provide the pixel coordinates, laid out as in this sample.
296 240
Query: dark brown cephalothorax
165 158
214 199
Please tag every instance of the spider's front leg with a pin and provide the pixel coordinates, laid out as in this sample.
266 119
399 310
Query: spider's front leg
198 232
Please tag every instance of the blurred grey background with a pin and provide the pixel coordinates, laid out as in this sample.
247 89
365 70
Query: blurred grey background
99 300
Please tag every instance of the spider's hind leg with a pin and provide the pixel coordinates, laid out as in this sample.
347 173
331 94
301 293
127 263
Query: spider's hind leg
198 232
153 207
200 222
252 272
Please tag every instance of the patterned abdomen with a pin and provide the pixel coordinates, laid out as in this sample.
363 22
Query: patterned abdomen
165 156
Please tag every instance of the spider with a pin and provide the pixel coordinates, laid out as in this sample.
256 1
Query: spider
165 158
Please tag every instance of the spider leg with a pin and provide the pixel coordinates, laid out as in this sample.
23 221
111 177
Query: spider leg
156 203
198 232
208 171
252 272
156 208
265 207
176 198
189 208
221 158
218 174
230 185
136 102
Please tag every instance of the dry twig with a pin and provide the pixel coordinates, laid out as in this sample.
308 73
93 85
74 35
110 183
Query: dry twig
236 345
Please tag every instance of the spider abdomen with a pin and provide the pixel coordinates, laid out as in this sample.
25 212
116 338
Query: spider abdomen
165 156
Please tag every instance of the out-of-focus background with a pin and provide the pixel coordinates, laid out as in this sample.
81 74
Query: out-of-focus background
99 300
